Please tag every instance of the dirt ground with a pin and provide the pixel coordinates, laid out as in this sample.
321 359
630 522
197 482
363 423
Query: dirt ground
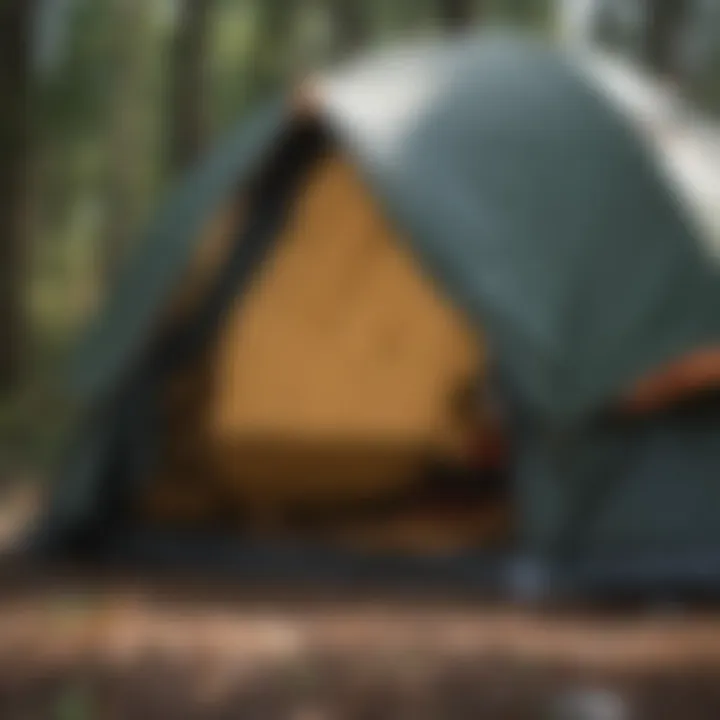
111 646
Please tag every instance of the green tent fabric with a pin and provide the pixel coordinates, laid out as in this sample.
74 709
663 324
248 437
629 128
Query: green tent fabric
531 201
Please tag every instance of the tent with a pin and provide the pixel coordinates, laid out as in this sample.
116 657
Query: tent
370 275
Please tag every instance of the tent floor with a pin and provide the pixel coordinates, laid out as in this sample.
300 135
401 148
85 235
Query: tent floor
619 578
612 581
444 513
299 565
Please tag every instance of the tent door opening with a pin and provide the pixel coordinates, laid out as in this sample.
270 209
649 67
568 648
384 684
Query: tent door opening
333 403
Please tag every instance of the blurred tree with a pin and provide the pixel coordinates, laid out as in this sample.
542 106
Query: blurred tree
350 26
127 125
73 95
52 25
254 47
76 97
275 49
458 14
16 28
188 122
665 21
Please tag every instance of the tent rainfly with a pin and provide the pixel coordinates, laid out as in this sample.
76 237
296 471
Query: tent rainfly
307 355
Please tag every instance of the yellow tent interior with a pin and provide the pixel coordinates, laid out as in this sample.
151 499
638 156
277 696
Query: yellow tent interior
333 384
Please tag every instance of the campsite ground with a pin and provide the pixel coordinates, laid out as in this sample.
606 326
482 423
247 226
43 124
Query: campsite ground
80 645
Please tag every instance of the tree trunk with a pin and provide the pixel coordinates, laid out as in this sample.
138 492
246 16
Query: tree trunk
664 25
275 52
350 26
188 100
127 123
457 15
16 18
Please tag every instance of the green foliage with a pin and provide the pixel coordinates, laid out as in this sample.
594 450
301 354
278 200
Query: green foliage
527 13
73 95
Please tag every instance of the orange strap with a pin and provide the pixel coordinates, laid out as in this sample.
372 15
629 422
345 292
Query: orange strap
691 374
